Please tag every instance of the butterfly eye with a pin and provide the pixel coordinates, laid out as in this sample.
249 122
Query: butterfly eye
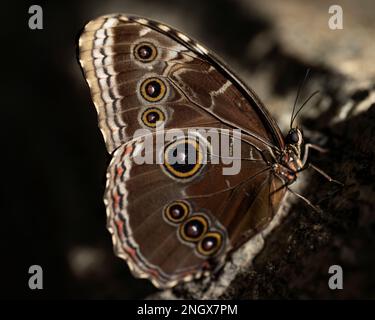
153 89
194 228
210 243
176 211
145 52
292 137
152 116
183 158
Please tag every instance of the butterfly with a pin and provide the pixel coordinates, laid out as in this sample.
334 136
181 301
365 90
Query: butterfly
176 222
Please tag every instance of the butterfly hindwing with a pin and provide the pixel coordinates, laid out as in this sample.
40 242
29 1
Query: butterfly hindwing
139 199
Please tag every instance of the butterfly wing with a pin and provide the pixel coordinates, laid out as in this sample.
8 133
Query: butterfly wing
140 199
171 224
199 90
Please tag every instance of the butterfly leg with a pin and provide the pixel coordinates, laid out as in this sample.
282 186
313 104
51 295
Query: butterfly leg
307 201
306 151
325 175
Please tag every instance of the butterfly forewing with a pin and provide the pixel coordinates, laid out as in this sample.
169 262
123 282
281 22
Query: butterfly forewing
114 74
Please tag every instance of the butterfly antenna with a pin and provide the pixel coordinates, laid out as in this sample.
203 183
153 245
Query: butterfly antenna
301 107
300 87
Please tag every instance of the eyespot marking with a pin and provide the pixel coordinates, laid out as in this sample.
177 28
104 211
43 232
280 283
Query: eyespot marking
145 52
153 89
194 228
183 158
210 243
176 211
152 117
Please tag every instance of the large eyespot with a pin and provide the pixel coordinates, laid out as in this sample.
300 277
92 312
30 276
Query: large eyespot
193 229
176 211
153 89
183 158
210 243
151 117
145 52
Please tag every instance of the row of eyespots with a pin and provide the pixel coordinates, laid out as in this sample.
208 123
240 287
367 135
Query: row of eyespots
193 228
152 89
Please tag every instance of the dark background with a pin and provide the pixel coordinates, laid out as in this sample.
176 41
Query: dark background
53 176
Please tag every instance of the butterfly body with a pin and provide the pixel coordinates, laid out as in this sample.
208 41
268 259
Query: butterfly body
290 162
171 222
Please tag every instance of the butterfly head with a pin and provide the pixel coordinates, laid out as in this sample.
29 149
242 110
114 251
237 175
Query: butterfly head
294 137
290 162
294 141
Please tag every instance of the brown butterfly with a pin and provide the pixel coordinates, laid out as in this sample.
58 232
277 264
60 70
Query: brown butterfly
170 222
